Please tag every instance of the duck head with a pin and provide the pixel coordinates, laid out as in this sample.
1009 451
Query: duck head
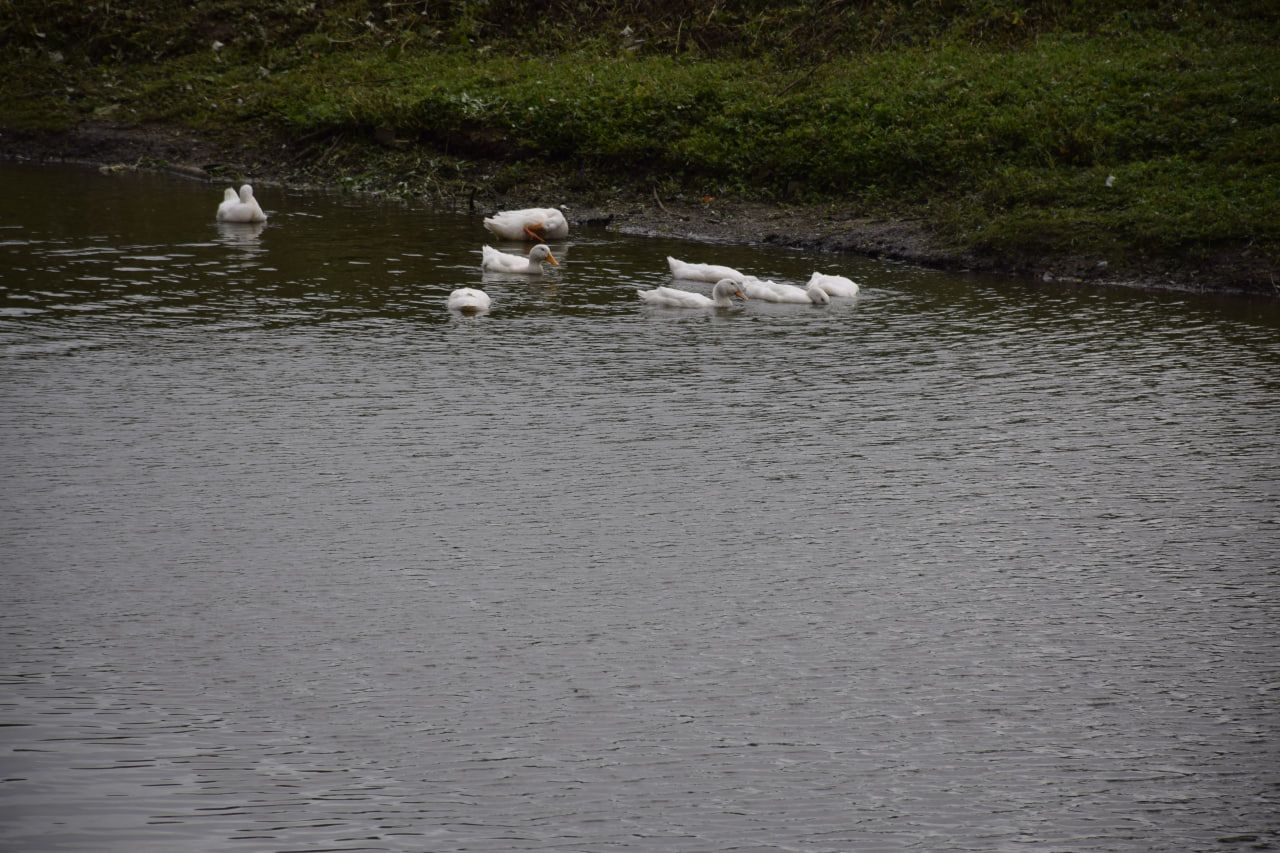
725 289
542 252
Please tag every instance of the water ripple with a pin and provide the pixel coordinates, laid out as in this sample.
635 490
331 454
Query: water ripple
297 560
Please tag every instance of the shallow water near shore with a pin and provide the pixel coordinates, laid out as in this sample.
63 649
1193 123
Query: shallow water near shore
295 559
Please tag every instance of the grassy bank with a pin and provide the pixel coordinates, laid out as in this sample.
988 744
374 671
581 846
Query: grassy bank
1147 133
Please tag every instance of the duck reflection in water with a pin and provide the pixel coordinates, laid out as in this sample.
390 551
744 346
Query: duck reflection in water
240 233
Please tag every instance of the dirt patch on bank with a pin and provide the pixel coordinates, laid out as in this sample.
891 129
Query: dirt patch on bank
822 228
828 227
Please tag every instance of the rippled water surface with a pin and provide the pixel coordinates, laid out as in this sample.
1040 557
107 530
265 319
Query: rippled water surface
293 559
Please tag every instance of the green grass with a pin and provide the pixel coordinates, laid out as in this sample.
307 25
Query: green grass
998 127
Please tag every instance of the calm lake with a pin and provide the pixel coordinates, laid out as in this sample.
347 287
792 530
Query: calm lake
293 559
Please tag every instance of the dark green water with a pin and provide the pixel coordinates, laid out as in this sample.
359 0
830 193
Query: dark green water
293 559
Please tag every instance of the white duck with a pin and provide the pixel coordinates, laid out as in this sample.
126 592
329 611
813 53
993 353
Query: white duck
468 300
671 297
495 261
244 210
702 272
835 285
229 200
771 291
532 223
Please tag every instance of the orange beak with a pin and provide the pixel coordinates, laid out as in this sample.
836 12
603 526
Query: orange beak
551 259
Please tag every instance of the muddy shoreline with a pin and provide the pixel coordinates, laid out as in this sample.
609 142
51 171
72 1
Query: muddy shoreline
825 228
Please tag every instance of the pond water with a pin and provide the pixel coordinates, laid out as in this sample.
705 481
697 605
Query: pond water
294 559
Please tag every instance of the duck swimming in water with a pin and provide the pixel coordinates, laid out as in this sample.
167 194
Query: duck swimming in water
244 208
670 297
495 261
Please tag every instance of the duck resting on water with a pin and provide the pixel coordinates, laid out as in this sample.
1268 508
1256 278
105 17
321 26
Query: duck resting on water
538 224
242 208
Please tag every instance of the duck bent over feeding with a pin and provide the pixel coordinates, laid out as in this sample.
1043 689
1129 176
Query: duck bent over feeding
771 291
835 285
701 272
468 300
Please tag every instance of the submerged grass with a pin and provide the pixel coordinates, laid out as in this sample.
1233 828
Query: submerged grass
1148 132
